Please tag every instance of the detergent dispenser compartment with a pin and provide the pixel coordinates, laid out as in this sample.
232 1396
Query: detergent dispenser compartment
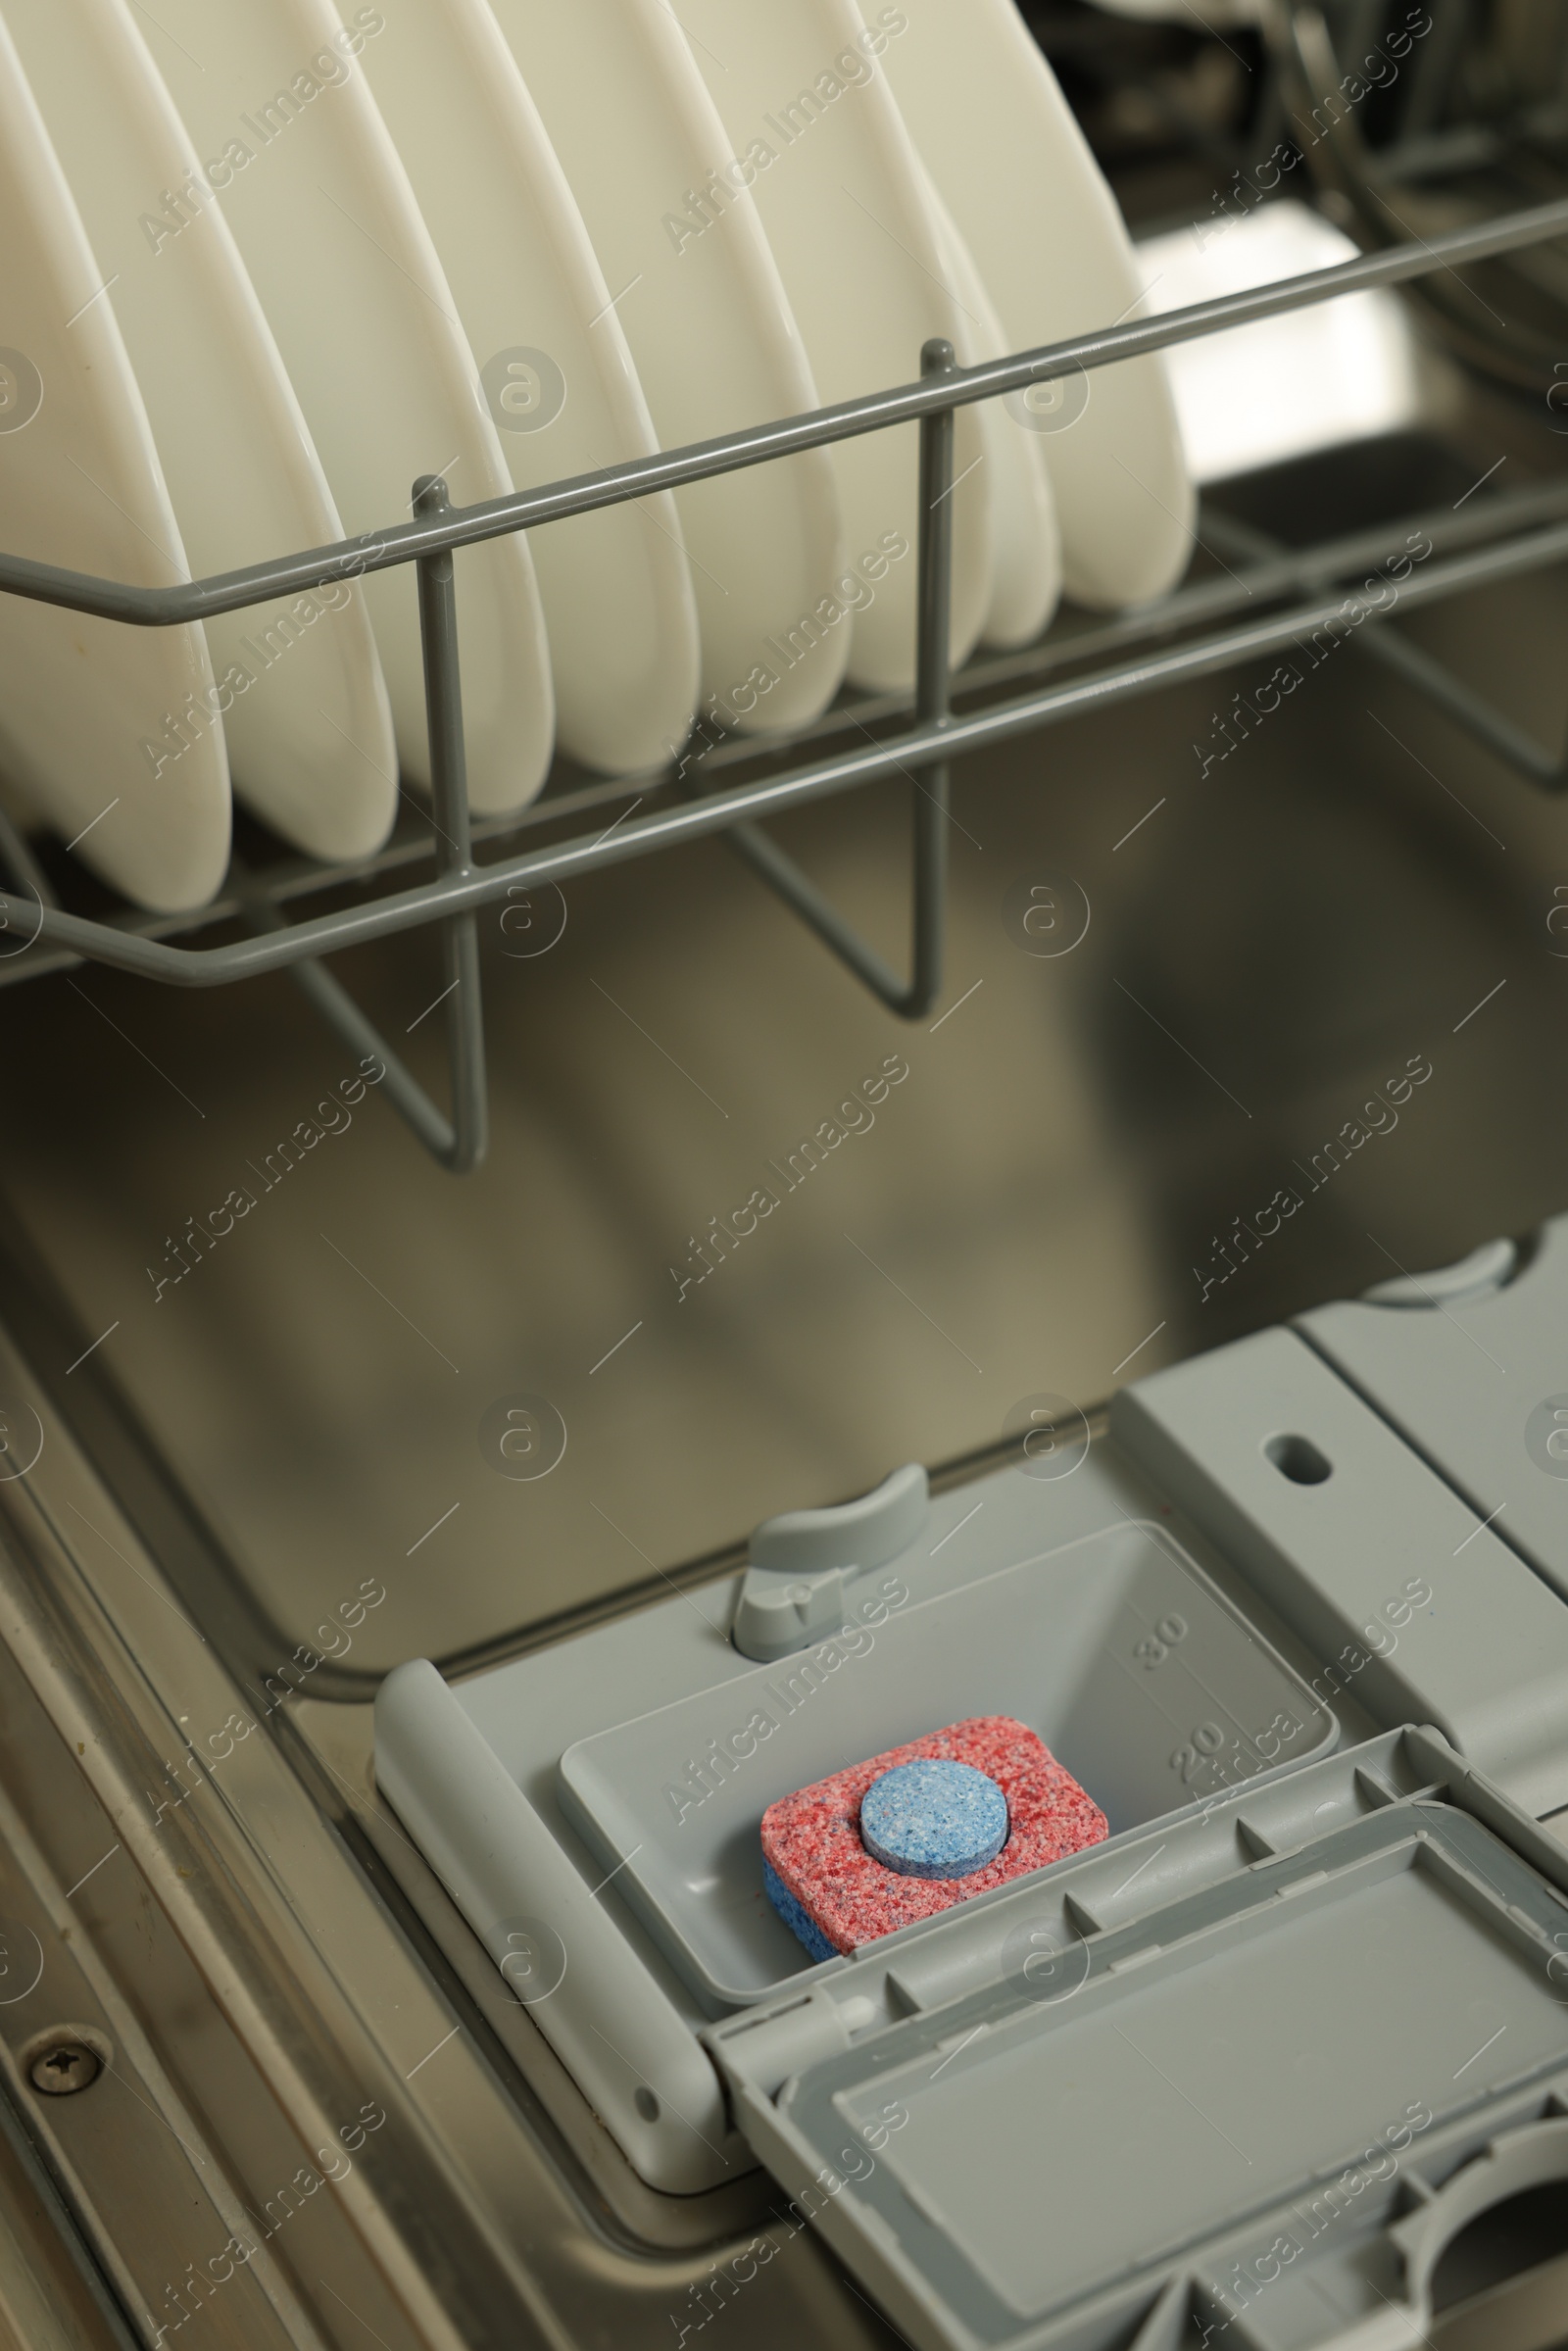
1118 1649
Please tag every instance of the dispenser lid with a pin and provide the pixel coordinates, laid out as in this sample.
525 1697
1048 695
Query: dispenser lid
1087 2138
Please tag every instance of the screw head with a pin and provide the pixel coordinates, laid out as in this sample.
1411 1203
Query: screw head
63 2065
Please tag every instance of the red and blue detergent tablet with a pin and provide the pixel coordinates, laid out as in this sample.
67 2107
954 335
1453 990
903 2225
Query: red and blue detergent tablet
908 1833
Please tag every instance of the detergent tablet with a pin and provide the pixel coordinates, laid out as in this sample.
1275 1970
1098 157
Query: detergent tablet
884 1844
933 1819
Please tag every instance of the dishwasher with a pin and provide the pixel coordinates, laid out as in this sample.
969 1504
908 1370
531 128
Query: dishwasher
699 1306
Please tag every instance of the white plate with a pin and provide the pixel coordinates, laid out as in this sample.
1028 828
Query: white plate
563 391
1029 200
309 731
272 93
1026 544
712 337
806 108
111 732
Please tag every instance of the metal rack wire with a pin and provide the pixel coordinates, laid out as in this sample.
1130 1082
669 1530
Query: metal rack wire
1510 537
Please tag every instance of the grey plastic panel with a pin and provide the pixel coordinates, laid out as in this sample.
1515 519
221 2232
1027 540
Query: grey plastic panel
1116 1648
1152 2110
1220 2113
532 1707
967 1630
605 2014
1472 1382
1241 1437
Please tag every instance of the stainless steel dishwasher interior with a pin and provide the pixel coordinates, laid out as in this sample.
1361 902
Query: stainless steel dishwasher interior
1048 1185
1053 1184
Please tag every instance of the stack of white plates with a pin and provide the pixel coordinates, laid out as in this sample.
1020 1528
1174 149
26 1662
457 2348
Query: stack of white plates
268 262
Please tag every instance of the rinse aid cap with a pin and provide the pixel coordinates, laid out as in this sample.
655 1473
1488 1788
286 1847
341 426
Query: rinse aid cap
934 1818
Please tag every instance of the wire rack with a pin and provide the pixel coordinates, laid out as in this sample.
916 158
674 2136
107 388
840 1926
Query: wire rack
1505 537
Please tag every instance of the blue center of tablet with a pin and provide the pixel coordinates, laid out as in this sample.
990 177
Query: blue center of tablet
933 1819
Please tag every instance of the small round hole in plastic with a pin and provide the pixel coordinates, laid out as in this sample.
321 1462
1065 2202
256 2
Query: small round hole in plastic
1299 1459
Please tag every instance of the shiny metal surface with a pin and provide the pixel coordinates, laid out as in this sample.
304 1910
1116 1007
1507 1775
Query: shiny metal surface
301 2134
1047 1201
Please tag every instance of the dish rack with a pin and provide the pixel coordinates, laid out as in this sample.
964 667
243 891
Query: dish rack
1498 539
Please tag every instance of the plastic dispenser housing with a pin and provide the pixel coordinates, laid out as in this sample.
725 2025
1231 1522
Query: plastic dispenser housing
1243 2070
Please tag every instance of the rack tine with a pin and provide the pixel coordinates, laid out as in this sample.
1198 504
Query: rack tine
1390 646
1489 727
357 1030
933 702
933 695
458 1143
449 792
20 863
1535 536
